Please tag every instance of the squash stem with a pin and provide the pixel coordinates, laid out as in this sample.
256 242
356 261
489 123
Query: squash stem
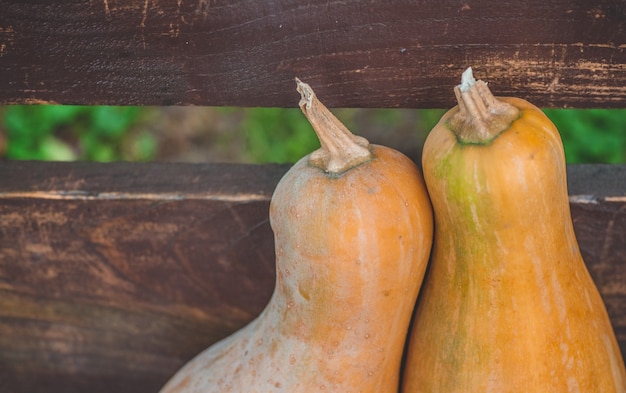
481 116
340 149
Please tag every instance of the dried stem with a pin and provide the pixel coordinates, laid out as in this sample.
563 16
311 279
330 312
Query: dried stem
340 150
481 116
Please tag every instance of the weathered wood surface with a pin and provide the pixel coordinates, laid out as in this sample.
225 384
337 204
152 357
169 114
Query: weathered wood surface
113 275
388 53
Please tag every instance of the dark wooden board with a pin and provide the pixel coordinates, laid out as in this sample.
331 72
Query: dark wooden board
388 53
114 275
111 276
124 290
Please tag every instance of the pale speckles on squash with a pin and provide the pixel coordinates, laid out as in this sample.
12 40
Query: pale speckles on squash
537 262
616 364
558 296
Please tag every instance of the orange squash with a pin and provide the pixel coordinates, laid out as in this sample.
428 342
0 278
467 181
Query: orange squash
353 231
507 304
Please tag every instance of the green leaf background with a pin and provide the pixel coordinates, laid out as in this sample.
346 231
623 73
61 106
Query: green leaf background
107 133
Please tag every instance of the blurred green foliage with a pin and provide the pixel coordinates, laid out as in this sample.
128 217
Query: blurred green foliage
282 135
68 132
588 135
591 135
104 133
277 135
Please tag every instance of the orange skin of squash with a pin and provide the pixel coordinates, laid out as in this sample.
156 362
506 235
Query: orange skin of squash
351 252
507 304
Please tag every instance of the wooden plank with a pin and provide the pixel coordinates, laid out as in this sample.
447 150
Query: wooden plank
356 54
125 290
154 181
598 203
601 233
113 275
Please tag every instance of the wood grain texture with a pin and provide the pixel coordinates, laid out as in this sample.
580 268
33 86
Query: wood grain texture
601 233
114 275
391 53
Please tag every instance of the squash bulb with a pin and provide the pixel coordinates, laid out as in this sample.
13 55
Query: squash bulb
508 304
353 231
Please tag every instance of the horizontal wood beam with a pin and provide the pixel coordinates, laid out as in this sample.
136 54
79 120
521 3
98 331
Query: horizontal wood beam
392 53
114 275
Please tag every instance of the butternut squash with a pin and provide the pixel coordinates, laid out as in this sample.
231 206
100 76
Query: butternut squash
353 231
507 304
